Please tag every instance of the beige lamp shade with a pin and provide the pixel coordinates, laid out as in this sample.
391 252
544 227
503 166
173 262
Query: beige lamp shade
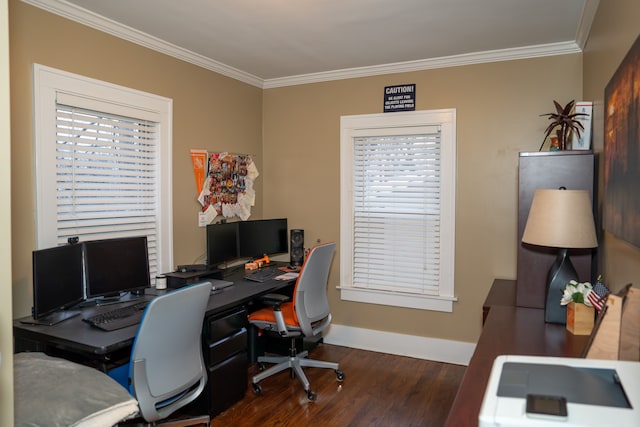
561 219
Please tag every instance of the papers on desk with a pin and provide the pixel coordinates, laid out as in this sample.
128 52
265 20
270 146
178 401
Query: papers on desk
287 276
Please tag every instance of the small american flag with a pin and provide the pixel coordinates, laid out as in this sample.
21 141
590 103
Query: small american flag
598 295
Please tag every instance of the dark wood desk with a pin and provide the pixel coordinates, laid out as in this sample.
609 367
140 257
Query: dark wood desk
502 293
77 336
224 337
508 330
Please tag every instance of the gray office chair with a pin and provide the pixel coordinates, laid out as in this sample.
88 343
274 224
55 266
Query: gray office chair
166 370
307 315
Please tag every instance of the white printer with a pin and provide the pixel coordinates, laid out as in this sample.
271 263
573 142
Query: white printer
560 391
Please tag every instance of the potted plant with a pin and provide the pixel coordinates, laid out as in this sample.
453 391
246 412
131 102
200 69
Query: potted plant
566 121
580 312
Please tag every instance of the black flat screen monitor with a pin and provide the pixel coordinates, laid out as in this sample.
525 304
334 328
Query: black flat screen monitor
115 266
222 243
57 282
262 237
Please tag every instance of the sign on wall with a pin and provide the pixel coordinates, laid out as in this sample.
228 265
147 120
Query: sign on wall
400 98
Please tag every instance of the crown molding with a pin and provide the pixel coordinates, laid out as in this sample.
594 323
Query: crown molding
428 64
98 22
588 15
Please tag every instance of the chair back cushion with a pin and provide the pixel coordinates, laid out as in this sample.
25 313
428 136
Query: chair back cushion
310 294
166 358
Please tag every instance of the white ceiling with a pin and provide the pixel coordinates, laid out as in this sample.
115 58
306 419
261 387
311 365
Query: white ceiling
271 43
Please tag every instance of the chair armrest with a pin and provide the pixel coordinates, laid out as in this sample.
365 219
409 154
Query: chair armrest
274 300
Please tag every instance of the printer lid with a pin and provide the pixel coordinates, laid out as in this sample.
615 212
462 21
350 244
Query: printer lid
596 391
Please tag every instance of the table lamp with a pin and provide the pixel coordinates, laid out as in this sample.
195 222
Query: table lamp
561 219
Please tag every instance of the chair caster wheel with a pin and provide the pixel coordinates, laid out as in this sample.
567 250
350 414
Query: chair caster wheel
257 389
261 366
339 375
312 396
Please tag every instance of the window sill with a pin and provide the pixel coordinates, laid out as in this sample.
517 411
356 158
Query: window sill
420 302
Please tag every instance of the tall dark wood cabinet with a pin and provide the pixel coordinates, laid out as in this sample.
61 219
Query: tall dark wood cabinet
575 170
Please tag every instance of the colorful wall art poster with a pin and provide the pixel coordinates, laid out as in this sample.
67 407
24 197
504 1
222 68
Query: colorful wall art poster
228 186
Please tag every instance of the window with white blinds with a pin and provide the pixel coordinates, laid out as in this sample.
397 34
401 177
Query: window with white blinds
102 163
106 175
398 173
396 213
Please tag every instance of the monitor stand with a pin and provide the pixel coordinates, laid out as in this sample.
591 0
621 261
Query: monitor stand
99 301
51 319
231 266
116 299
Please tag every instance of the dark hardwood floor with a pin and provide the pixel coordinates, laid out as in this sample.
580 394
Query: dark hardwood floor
378 390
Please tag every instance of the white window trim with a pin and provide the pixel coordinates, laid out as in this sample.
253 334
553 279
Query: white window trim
49 83
376 124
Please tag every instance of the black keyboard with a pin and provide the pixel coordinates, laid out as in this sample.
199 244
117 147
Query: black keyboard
263 274
119 317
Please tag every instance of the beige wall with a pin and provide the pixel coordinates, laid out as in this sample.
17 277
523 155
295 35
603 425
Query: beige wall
294 133
210 111
612 34
6 315
498 107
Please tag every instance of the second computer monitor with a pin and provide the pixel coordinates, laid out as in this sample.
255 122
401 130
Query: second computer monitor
245 239
265 236
115 266
222 243
57 280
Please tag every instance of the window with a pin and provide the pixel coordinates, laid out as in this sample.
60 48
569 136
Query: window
398 209
102 162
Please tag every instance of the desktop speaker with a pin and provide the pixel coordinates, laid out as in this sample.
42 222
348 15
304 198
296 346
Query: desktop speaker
297 247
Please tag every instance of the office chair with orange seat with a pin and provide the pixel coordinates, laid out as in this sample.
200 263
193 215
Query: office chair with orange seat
307 315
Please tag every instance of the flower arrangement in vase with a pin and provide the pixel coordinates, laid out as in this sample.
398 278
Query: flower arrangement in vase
580 311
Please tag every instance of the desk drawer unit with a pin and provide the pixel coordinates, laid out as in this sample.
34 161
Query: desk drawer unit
227 383
225 353
227 347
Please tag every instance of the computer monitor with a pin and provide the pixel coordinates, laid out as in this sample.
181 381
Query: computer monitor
57 283
222 243
262 237
115 266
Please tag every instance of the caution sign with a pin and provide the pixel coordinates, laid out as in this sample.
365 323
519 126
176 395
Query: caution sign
400 98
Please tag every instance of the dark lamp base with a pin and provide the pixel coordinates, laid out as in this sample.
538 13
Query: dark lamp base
561 272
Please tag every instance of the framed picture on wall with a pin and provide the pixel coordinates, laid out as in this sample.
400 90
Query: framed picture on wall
621 211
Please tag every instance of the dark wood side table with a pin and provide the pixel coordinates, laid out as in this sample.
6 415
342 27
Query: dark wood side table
508 330
502 293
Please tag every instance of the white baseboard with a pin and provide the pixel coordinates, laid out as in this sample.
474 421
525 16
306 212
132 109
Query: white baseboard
439 350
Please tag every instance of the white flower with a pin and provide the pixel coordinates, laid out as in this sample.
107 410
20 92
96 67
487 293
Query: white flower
576 292
566 296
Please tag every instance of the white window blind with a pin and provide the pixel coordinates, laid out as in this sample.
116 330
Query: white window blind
396 215
102 163
106 174
397 209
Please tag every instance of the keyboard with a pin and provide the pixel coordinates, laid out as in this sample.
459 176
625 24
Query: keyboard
263 274
119 317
